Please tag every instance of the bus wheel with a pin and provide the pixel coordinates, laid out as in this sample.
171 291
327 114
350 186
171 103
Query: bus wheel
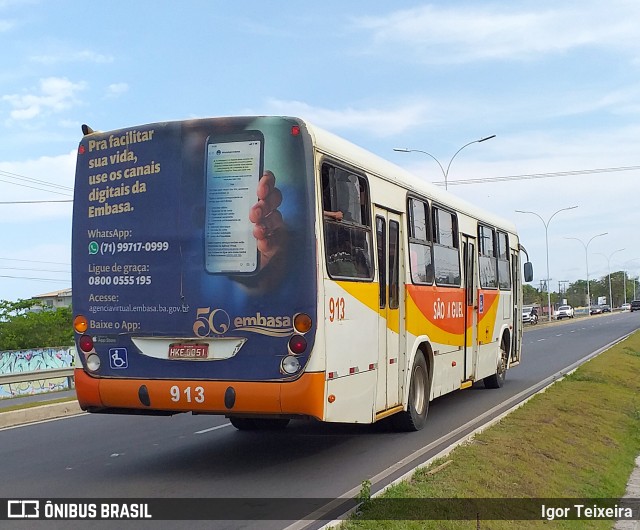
258 424
415 417
497 380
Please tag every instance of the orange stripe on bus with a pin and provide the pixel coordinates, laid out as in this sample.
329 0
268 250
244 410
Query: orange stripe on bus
451 300
304 396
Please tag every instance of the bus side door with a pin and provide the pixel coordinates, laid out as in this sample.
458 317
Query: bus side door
391 355
471 306
516 286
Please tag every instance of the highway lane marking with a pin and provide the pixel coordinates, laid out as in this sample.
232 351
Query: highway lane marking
213 428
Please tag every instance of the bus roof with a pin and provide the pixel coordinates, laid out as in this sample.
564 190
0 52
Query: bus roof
348 152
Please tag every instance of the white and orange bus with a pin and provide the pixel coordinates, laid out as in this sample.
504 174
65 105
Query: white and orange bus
264 269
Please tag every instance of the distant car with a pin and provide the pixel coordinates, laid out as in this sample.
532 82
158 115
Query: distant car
596 310
625 307
635 306
605 308
564 311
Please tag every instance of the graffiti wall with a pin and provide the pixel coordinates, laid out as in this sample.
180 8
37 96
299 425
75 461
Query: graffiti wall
34 360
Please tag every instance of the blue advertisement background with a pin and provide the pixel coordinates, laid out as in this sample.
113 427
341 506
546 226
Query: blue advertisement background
170 209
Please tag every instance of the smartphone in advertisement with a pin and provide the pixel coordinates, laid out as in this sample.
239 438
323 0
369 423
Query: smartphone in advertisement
234 165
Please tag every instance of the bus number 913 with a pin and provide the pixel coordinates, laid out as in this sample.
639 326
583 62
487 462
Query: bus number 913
336 309
198 394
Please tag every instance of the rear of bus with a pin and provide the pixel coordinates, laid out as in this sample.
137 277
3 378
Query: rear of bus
194 269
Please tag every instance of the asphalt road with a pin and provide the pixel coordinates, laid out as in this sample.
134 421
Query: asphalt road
96 456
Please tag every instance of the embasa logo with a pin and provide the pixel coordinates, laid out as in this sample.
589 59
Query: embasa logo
217 322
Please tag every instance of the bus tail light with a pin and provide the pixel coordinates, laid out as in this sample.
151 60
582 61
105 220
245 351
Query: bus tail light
297 344
93 362
86 343
80 324
302 323
290 365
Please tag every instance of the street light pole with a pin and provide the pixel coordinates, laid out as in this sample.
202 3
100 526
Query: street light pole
624 276
445 173
609 269
546 239
586 254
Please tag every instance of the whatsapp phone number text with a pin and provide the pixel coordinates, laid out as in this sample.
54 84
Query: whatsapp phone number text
138 246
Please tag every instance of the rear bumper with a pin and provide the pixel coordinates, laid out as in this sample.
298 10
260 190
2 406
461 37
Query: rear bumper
304 396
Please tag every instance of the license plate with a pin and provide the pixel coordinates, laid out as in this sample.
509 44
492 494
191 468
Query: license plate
188 351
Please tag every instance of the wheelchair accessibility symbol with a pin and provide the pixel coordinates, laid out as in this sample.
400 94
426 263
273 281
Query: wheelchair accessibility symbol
118 358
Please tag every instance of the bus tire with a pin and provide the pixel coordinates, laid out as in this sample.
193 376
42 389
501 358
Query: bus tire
497 380
258 424
415 417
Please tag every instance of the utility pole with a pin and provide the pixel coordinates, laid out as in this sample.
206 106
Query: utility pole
562 288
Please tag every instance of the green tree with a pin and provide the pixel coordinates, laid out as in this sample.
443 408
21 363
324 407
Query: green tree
531 295
24 325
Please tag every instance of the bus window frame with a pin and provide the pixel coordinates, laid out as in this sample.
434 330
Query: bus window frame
350 225
455 231
394 264
488 258
413 241
504 260
381 248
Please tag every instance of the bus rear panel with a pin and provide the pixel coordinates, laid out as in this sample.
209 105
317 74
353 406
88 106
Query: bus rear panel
194 269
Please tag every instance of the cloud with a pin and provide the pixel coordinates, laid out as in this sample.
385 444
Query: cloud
381 122
55 94
435 34
117 89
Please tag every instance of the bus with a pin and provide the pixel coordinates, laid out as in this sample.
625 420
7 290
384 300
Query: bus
264 269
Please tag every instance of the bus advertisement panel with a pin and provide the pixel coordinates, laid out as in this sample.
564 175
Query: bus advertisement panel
194 252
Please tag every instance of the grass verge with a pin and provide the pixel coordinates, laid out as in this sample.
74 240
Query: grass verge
579 439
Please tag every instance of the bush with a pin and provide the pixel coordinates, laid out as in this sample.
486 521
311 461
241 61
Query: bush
23 324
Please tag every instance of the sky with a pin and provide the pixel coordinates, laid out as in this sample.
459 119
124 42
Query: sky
558 83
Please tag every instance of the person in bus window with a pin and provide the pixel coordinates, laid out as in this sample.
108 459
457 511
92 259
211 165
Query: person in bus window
326 198
336 216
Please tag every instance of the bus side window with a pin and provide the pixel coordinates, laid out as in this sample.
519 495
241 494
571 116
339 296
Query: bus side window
381 237
487 259
420 261
394 265
347 224
504 269
446 247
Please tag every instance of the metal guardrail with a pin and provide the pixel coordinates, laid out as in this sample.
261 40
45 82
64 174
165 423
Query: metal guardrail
21 377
